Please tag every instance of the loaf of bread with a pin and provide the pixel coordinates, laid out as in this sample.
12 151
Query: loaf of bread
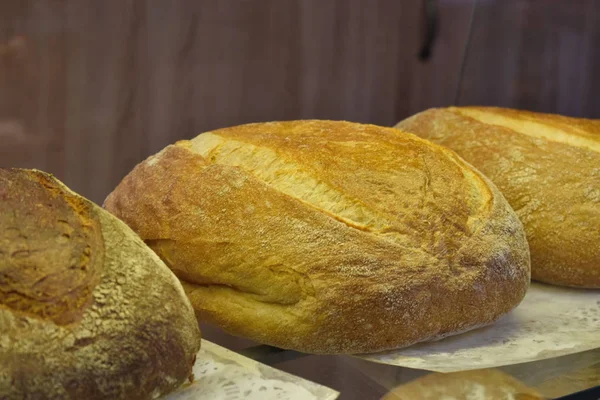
328 237
547 166
87 311
485 384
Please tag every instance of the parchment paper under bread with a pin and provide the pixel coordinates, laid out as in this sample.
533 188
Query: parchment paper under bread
550 322
221 374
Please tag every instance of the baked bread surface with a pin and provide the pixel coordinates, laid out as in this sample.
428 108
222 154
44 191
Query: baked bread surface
547 166
87 311
328 236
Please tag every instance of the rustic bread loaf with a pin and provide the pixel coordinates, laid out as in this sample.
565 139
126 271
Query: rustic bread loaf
87 311
328 237
547 166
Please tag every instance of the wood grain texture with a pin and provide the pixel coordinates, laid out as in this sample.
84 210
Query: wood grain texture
536 55
88 89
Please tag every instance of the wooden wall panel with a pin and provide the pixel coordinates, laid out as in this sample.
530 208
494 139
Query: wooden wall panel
435 83
89 88
537 55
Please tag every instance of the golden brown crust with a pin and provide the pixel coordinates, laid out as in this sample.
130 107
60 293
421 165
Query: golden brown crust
136 337
328 237
547 166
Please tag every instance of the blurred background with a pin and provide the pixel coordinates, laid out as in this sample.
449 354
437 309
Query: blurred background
90 88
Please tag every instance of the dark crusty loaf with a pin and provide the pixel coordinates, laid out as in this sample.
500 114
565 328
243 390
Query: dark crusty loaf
547 166
328 237
87 311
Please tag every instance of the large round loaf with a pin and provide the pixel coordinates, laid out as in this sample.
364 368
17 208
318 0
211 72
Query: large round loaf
87 311
328 237
547 166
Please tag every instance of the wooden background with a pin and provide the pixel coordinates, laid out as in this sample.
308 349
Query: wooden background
90 88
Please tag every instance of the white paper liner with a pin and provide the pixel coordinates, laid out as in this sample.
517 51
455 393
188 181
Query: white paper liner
550 322
221 374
